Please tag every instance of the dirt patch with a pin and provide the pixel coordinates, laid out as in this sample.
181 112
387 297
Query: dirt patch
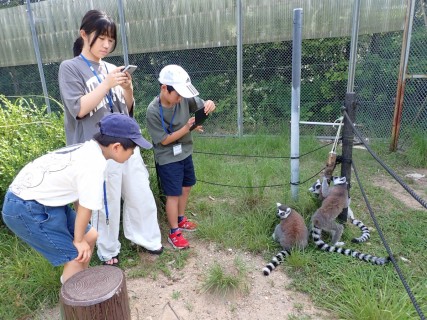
414 179
180 296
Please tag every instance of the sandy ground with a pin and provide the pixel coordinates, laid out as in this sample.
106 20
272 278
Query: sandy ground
268 297
181 296
416 180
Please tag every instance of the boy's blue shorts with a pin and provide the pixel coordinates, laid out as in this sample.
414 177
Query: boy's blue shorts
49 230
173 176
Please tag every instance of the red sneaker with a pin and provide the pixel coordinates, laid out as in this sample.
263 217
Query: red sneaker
178 241
186 225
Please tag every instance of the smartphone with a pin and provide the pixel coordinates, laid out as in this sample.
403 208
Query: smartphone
200 117
130 68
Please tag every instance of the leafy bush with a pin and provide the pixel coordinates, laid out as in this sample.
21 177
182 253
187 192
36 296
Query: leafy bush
26 132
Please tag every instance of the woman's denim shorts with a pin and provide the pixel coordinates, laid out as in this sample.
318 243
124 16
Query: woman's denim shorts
49 230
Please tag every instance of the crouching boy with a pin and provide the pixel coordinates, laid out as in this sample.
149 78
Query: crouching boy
36 206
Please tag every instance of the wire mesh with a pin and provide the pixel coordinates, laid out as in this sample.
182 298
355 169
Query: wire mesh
414 115
201 36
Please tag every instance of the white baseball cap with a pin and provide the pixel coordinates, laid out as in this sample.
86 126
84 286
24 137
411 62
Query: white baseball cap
175 76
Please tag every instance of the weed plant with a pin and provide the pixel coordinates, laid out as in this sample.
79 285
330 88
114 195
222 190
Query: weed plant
223 281
235 206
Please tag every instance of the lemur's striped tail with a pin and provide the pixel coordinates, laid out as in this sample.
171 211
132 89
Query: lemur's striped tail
365 231
320 244
277 259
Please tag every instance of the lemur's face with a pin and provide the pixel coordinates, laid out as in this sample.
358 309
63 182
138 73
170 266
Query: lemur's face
315 188
282 211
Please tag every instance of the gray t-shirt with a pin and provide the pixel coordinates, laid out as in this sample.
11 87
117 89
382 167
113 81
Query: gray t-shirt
159 131
76 80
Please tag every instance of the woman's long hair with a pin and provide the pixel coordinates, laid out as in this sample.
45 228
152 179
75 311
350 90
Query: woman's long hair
98 22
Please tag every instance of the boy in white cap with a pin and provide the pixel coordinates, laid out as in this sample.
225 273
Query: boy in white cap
36 206
169 123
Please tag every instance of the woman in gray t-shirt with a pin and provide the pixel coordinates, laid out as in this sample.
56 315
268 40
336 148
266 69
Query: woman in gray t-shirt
90 89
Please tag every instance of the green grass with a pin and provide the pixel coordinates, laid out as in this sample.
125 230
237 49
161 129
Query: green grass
245 218
226 280
235 201
417 150
27 280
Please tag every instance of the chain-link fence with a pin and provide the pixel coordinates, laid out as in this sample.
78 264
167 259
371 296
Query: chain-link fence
201 36
414 108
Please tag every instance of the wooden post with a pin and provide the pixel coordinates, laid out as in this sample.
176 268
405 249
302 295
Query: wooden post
97 293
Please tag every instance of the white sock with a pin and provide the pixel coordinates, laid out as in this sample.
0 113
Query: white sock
62 281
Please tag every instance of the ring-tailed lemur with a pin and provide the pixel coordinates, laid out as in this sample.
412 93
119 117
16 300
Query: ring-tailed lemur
291 232
324 219
322 191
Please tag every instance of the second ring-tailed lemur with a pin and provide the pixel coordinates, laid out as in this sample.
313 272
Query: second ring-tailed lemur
324 220
321 190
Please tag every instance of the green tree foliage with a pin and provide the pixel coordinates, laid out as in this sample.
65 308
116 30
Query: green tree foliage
26 132
267 81
15 3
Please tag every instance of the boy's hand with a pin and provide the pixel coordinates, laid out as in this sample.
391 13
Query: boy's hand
190 122
209 106
85 253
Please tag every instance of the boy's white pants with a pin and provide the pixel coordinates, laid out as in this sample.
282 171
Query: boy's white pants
130 182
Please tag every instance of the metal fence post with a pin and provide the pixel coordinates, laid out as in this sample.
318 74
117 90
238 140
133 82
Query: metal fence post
38 57
295 105
353 46
239 67
123 32
350 102
401 81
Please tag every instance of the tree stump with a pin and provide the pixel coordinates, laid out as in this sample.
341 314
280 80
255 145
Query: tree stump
97 293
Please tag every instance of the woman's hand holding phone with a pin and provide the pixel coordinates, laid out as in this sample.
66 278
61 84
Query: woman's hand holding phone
129 68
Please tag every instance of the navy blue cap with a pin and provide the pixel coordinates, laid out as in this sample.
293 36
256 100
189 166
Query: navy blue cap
122 126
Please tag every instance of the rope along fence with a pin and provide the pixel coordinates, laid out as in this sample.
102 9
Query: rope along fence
390 171
387 247
383 240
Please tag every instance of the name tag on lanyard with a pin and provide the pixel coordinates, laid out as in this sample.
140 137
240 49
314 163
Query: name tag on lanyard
177 149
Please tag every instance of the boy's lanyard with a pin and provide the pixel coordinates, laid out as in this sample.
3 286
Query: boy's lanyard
107 220
109 94
167 130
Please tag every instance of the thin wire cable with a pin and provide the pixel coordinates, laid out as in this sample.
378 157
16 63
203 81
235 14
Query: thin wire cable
266 186
391 172
383 240
299 183
240 155
265 157
255 156
243 187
